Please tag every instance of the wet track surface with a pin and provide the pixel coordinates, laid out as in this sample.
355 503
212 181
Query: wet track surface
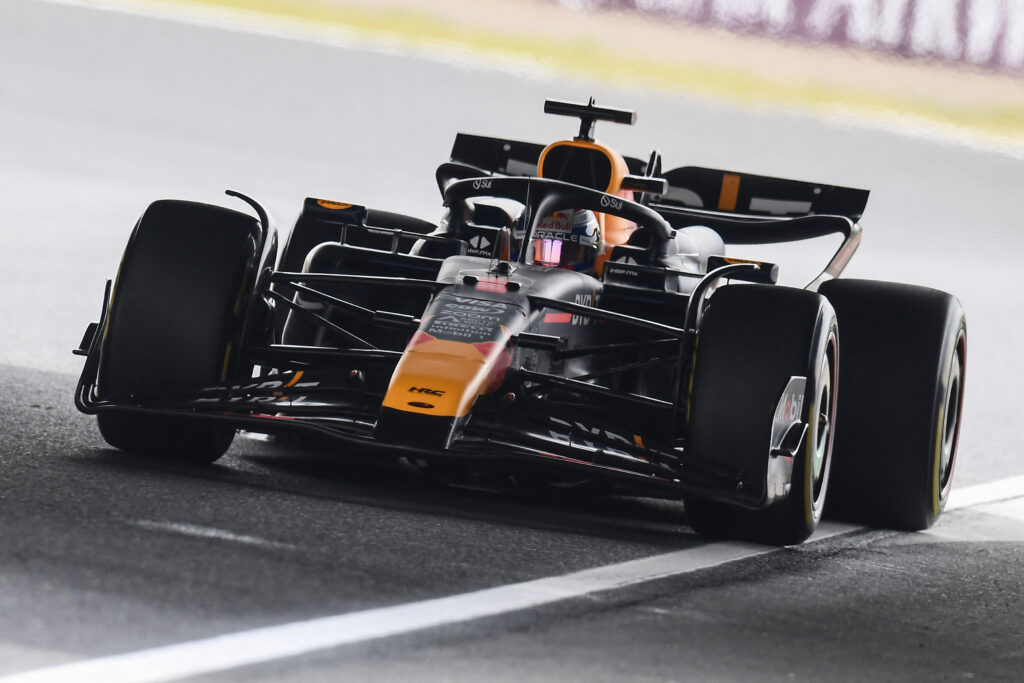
102 554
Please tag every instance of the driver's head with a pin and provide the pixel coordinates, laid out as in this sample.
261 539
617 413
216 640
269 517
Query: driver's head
567 239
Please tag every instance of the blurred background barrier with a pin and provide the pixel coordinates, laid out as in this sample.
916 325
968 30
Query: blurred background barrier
847 60
984 33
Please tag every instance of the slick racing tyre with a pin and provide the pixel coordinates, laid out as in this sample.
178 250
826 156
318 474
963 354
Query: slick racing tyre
186 440
175 324
903 361
752 341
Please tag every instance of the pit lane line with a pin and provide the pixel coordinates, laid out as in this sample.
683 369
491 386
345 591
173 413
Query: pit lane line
230 651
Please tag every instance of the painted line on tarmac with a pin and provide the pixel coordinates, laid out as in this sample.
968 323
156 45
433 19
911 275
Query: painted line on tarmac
980 494
197 531
271 643
1009 509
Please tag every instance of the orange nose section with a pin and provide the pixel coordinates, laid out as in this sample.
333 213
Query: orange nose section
444 378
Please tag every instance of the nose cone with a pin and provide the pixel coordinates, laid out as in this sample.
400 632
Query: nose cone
443 378
435 385
460 352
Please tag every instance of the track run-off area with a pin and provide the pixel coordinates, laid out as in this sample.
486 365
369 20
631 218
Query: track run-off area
276 563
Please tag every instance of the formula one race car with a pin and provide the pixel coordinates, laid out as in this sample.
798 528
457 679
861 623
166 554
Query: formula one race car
573 317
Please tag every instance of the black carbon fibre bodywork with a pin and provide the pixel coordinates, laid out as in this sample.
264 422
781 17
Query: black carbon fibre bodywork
583 378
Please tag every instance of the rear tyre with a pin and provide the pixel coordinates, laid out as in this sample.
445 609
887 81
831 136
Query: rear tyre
175 324
753 339
904 363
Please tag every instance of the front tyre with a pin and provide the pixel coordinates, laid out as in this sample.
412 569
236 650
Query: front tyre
752 341
184 440
175 325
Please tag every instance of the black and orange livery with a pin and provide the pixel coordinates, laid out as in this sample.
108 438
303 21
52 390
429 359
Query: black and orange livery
670 369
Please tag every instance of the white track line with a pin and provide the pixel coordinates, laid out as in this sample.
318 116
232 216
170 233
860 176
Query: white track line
277 642
992 492
197 531
245 648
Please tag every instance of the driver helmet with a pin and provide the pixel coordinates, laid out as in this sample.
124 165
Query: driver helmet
567 239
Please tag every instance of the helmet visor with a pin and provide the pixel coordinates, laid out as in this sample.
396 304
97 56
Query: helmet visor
555 253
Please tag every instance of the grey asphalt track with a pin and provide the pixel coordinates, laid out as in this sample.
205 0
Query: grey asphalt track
102 112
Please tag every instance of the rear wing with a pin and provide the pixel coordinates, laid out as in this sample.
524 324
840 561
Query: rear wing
688 187
756 195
